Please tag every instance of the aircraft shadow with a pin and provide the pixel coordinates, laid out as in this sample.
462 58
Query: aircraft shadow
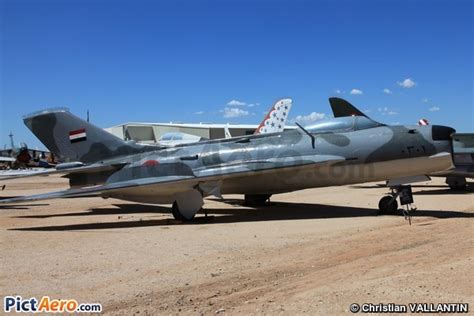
382 185
20 206
442 189
120 209
8 197
274 212
448 191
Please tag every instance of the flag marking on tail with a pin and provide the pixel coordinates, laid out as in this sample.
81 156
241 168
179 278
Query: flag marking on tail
78 135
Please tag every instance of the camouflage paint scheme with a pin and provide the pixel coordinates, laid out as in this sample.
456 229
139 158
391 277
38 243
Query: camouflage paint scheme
340 151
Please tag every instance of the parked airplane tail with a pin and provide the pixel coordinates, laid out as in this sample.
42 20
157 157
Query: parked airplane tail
342 108
73 139
423 122
276 118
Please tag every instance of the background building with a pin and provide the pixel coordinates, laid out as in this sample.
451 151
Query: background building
151 132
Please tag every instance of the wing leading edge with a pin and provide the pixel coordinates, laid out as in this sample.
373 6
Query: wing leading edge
176 184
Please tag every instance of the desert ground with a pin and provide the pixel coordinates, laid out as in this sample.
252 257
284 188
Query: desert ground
308 252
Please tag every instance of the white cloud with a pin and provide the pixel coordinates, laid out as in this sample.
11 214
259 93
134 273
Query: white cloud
424 100
386 111
236 103
387 91
356 92
338 91
251 105
434 109
407 83
234 112
310 118
199 112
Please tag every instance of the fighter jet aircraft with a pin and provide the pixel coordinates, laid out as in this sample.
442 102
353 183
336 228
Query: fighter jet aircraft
21 157
463 147
463 157
346 150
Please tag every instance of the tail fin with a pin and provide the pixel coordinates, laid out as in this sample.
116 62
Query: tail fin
275 120
73 139
423 122
342 108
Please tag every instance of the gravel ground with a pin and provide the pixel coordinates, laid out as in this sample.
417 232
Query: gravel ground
313 251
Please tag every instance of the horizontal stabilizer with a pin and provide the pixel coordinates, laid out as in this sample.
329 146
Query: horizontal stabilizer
7 159
69 171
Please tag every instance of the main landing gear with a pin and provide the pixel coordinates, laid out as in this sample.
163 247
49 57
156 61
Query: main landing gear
176 213
456 183
256 199
389 205
186 205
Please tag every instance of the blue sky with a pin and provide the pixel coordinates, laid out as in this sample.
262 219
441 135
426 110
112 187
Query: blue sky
188 60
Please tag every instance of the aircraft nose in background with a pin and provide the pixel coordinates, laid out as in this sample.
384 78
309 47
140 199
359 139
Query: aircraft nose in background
439 132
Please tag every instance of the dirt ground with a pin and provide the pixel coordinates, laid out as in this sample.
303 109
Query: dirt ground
314 251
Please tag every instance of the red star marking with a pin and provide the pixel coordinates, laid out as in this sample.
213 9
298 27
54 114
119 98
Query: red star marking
150 163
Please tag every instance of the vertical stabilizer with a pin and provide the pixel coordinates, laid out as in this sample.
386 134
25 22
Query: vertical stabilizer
73 139
275 120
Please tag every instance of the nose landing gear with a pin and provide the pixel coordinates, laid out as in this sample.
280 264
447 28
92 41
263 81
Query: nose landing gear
389 205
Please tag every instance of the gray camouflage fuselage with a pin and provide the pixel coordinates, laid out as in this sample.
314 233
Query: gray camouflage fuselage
373 154
342 151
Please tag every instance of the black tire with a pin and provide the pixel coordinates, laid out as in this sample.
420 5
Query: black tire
388 205
458 187
256 199
176 213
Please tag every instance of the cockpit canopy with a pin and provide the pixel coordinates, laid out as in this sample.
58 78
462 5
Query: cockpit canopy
343 124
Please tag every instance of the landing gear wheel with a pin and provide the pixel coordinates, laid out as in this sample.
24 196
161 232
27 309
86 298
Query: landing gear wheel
175 211
456 183
388 205
256 199
177 214
457 187
186 204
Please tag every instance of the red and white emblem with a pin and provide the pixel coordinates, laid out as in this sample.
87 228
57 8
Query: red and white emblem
423 122
275 120
78 135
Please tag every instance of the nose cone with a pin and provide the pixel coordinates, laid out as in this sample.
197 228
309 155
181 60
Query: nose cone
439 132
